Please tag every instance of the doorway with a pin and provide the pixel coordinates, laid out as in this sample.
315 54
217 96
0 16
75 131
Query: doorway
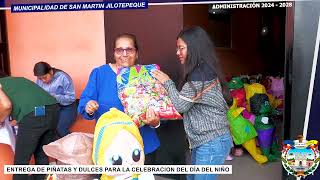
249 43
4 58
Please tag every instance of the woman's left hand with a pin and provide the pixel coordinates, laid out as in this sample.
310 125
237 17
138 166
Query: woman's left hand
152 119
161 76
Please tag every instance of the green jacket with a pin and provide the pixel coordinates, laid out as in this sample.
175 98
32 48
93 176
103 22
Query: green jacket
24 95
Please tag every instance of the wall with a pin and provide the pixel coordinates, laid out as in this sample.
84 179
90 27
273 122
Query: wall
243 54
306 18
306 15
4 58
249 52
195 14
72 41
288 69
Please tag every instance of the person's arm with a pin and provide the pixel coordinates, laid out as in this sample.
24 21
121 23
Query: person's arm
5 106
68 96
89 93
182 100
152 118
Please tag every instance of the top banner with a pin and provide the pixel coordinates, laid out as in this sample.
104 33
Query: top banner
19 6
72 5
79 6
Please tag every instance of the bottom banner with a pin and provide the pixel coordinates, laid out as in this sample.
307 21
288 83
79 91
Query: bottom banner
115 170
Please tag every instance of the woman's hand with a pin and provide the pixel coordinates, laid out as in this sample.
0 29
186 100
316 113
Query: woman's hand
152 119
91 107
160 76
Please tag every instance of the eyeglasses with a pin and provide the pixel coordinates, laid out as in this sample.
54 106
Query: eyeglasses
121 51
181 48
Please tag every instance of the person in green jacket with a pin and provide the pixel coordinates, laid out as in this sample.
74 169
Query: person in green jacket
36 113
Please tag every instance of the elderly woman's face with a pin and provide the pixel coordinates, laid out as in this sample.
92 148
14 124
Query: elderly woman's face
125 53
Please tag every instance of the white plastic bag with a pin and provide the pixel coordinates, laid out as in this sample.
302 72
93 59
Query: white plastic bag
7 135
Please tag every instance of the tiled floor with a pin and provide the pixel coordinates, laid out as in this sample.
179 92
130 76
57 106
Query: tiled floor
245 168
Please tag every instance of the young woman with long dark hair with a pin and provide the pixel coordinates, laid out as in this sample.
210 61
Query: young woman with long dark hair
202 99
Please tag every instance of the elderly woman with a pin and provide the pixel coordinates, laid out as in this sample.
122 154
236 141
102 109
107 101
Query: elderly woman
101 92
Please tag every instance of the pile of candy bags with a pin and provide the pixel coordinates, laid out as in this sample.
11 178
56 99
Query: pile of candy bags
138 91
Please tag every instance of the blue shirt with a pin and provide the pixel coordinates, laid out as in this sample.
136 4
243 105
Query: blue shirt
60 87
102 87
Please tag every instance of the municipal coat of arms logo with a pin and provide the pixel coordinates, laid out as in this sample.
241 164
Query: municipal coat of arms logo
300 157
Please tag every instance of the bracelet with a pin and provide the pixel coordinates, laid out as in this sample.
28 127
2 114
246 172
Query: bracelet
156 126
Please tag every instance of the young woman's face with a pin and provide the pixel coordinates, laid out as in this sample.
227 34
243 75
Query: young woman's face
47 77
125 53
181 50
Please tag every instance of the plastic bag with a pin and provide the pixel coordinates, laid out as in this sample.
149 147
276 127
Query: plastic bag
138 91
72 149
7 135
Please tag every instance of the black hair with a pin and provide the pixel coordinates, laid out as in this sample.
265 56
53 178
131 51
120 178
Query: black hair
127 35
201 59
41 68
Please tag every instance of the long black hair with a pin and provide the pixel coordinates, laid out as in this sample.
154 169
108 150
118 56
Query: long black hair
42 68
201 59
